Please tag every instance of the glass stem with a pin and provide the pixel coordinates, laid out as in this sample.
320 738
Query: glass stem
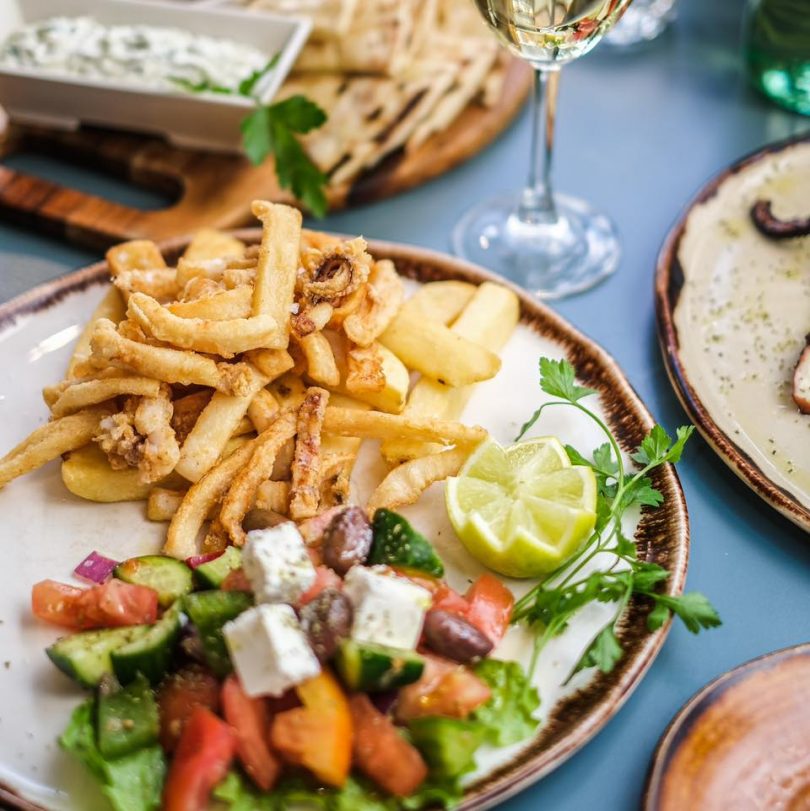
537 203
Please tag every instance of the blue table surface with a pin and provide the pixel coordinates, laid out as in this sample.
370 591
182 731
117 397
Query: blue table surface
638 134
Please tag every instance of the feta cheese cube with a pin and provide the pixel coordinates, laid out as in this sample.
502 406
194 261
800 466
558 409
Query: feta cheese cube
388 610
277 564
269 650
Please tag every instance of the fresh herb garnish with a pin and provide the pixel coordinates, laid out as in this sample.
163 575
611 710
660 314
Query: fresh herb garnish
551 604
271 129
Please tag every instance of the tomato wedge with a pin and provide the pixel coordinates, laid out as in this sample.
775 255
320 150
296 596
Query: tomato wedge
179 695
446 688
445 599
202 760
55 603
250 719
325 578
236 580
380 751
111 605
317 735
490 606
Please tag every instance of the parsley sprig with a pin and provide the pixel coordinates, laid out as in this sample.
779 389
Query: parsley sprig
271 129
550 605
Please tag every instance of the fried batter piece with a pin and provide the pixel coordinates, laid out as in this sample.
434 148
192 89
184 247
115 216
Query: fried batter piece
334 274
141 435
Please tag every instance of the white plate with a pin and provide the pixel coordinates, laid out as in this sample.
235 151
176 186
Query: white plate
47 532
733 311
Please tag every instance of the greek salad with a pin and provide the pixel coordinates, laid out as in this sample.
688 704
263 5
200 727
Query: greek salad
325 665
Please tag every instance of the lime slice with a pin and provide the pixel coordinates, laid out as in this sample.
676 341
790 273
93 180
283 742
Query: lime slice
522 510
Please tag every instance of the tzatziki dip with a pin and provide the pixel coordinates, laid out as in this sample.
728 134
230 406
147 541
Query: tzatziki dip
141 55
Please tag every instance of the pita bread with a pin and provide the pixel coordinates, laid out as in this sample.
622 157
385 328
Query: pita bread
389 74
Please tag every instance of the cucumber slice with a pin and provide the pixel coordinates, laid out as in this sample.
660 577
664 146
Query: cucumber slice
212 574
397 543
368 668
169 577
151 653
209 611
127 720
85 657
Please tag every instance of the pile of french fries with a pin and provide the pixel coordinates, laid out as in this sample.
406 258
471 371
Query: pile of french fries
236 388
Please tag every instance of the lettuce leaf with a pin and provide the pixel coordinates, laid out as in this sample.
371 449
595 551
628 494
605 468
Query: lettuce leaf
357 795
131 783
508 715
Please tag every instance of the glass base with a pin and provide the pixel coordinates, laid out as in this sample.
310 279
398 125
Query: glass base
551 259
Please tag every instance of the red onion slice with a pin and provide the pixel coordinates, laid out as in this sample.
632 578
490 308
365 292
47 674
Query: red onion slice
95 568
197 560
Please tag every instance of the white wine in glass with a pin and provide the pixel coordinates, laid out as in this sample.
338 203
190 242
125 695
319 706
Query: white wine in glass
551 244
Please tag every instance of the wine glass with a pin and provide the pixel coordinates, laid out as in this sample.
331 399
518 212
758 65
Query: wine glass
551 244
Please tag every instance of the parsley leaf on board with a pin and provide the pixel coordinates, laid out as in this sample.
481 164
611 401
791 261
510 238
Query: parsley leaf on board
550 605
271 129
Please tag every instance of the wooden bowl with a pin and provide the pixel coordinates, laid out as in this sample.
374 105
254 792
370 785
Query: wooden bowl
740 744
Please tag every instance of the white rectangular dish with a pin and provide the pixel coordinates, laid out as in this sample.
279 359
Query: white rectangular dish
200 120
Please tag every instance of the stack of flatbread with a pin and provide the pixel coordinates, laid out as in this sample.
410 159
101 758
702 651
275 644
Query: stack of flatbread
389 73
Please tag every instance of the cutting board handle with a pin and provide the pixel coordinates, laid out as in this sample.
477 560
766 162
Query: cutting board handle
211 189
60 210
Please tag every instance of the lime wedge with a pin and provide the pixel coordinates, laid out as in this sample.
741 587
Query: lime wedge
522 510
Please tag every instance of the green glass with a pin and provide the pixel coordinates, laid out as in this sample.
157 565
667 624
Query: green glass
778 51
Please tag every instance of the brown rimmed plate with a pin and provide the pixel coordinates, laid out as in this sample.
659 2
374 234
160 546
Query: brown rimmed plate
53 531
733 309
742 742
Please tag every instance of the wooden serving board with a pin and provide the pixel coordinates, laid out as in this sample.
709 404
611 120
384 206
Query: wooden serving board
214 189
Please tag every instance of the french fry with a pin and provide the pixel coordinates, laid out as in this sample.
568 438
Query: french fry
404 484
277 265
111 308
185 526
212 430
50 442
221 306
435 351
311 319
441 301
87 474
272 363
306 466
321 366
92 392
168 365
377 425
364 370
225 338
242 493
263 409
160 283
273 496
245 426
209 243
162 503
489 319
383 298
391 397
138 254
